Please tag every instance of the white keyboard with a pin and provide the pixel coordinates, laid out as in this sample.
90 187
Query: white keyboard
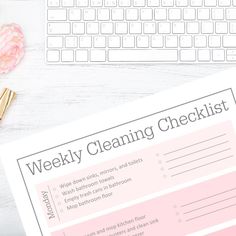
141 31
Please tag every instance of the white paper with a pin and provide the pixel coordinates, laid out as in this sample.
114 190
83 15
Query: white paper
41 161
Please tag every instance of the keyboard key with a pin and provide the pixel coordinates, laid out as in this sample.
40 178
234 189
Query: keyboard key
85 42
110 3
221 27
82 3
231 14
188 55
99 42
135 28
71 42
218 55
53 3
231 58
157 41
210 3
160 14
58 28
217 13
231 55
146 14
67 55
153 3
143 55
200 41
196 3
204 55
81 55
53 56
92 28
103 14
74 14
181 3
207 27
124 3
229 41
149 28
56 15
121 28
114 42
89 14
232 27
189 14
67 3
55 42
178 28
96 3
192 27
107 28
164 28
78 28
214 41
174 14
203 14
117 14
142 41
224 3
98 55
186 41
139 3
132 14
171 41
128 42
167 3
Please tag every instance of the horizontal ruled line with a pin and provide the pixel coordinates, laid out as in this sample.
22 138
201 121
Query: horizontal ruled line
185 171
213 154
202 199
209 213
212 204
192 145
204 149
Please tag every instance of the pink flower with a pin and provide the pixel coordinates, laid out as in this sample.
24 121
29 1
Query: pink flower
11 47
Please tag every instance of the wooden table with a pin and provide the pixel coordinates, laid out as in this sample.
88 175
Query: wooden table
48 96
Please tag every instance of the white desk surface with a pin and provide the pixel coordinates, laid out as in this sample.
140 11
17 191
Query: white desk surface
52 95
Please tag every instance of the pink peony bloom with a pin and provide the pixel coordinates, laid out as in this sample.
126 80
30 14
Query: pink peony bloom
11 47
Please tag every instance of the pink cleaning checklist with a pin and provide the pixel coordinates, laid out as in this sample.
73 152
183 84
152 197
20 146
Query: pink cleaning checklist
163 165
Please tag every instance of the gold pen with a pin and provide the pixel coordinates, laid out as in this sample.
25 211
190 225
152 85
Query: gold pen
6 99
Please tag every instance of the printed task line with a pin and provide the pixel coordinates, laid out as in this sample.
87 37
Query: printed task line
192 145
210 155
212 204
209 213
205 198
201 150
185 171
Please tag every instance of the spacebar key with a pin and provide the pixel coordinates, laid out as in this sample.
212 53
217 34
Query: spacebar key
142 55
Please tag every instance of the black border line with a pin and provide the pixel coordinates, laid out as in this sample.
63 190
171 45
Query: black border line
102 131
30 198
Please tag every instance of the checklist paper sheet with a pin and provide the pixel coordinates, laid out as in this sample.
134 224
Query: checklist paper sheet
162 165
